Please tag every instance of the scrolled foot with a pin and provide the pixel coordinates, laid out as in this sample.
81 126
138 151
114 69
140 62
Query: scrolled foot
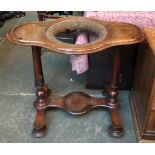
115 132
38 133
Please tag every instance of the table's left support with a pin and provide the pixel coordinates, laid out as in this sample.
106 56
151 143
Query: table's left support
37 64
41 93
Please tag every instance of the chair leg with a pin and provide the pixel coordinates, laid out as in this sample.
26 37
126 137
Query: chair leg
40 17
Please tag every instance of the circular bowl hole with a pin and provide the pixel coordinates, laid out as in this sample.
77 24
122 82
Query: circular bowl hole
69 36
66 31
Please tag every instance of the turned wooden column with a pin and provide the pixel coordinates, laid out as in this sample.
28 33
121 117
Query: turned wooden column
115 129
41 93
38 72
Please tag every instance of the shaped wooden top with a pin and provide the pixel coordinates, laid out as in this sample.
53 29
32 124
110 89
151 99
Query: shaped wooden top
43 34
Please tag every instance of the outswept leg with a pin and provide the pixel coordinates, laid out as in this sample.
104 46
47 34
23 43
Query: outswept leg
39 126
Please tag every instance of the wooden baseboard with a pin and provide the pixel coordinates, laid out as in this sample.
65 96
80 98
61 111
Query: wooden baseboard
141 137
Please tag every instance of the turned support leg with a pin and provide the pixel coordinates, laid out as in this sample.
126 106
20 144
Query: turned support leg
37 64
41 93
115 129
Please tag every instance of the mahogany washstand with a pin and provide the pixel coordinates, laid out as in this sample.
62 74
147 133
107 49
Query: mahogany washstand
43 34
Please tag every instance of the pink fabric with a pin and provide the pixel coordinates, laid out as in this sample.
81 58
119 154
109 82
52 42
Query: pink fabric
139 18
80 62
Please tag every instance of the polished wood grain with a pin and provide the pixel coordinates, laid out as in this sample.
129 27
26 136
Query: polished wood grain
75 103
43 34
143 92
40 34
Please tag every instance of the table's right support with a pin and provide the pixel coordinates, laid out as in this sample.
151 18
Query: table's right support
116 129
